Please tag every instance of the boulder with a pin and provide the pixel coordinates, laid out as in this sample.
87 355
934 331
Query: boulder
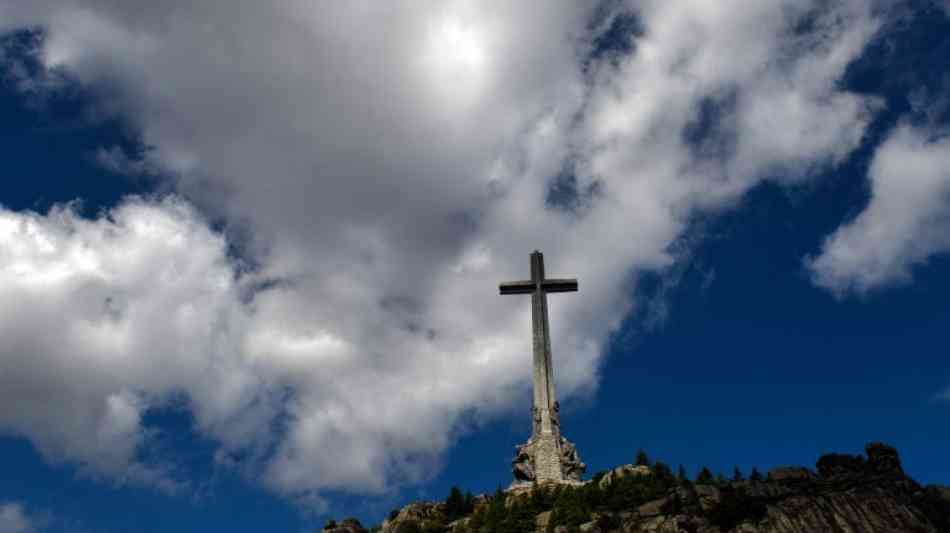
460 525
590 527
414 516
652 508
790 474
840 464
708 496
542 521
623 471
883 459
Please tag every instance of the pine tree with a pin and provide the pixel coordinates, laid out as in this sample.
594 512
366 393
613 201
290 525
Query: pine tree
663 473
570 508
454 504
496 511
681 475
755 475
705 477
720 479
737 474
642 458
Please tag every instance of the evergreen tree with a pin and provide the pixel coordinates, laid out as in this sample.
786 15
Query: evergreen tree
737 474
454 504
642 458
681 475
663 473
519 518
705 477
755 475
720 479
496 511
570 509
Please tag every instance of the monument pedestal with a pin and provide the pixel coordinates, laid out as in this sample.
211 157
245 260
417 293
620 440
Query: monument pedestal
546 458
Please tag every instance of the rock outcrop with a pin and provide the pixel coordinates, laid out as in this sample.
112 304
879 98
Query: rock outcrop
416 517
846 494
623 471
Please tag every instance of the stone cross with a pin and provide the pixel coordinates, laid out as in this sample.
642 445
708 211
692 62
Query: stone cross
546 433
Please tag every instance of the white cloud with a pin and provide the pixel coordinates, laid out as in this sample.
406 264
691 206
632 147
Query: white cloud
109 316
392 165
906 222
13 519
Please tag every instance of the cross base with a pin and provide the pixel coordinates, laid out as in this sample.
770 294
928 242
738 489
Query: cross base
547 458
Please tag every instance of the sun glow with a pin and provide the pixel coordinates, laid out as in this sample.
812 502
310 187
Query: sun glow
456 60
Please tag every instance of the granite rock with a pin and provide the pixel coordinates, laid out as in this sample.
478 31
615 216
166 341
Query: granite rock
846 494
623 471
849 495
414 517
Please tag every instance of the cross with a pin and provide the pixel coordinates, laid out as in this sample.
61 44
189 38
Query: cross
545 406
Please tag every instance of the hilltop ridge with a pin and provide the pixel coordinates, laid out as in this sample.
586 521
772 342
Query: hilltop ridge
844 494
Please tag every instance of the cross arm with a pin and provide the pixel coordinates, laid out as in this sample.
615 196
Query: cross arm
528 286
559 285
516 287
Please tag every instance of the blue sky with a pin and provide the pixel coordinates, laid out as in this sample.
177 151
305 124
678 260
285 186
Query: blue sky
275 300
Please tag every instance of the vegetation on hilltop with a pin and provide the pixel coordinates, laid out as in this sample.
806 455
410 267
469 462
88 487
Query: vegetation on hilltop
871 493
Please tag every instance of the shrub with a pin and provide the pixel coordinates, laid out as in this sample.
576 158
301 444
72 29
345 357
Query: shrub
632 491
519 517
495 513
570 509
735 507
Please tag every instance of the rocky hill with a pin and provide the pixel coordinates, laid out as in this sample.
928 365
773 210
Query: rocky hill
846 494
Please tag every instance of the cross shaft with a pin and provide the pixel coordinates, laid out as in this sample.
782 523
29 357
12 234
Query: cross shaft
538 286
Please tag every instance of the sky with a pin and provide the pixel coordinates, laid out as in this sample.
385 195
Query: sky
249 253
